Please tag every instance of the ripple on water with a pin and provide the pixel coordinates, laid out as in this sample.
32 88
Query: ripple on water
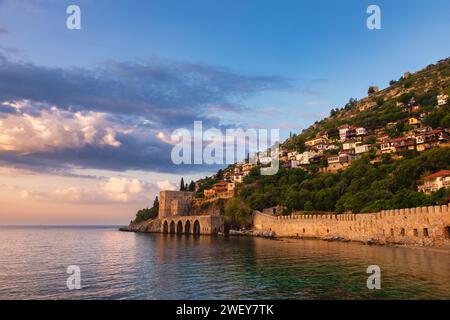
120 265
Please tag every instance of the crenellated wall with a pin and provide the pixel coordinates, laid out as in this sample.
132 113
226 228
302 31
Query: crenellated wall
426 226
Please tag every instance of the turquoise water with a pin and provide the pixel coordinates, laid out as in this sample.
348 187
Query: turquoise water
120 265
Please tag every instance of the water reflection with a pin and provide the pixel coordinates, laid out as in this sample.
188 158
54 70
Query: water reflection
117 265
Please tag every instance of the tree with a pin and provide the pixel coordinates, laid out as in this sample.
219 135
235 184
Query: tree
191 186
219 174
371 90
182 185
237 212
147 214
445 122
308 206
434 118
156 202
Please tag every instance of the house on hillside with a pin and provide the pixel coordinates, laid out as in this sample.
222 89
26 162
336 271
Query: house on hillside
398 145
346 132
340 162
442 99
414 122
307 158
317 141
362 148
429 139
361 131
434 182
416 108
220 190
349 145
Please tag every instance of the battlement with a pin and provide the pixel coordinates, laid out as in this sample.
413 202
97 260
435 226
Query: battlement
428 226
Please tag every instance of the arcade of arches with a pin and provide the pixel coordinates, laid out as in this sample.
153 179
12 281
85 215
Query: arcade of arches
192 225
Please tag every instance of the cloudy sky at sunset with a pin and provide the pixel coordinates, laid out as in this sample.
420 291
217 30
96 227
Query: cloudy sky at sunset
85 115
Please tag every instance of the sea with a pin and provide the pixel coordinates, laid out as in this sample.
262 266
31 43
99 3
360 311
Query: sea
98 263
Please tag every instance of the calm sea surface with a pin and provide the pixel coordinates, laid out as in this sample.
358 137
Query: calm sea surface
119 265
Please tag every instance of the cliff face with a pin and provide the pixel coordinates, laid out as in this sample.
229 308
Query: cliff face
144 226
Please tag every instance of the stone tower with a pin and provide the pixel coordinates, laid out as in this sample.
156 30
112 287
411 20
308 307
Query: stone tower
173 203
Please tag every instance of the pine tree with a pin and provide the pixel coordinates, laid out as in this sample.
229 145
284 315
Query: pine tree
156 202
182 186
192 186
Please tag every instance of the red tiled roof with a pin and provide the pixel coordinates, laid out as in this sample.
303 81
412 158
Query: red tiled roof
434 131
442 173
399 139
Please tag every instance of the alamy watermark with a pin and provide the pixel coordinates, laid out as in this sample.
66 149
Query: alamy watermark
374 20
257 146
73 21
374 280
74 280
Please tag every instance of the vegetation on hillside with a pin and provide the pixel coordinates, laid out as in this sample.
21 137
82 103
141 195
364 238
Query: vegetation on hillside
364 187
147 213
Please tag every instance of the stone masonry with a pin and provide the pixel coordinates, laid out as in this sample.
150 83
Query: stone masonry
424 226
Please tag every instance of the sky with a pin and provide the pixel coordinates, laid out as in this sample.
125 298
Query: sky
86 115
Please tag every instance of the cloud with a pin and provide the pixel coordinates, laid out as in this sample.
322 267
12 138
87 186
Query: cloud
166 185
112 190
117 116
122 189
52 129
169 94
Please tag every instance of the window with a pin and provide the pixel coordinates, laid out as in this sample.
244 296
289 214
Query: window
425 232
447 232
392 232
402 232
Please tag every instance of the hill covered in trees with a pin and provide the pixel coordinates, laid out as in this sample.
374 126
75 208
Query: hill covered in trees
375 180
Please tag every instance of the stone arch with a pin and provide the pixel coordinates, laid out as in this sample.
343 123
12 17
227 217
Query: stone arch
187 227
197 228
179 227
172 227
165 227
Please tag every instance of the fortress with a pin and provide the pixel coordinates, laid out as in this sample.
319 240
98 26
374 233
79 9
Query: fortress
424 226
174 210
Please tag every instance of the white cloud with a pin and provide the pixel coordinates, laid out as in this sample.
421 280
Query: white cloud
122 189
166 185
111 190
56 129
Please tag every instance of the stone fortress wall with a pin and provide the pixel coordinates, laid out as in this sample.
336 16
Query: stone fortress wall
423 226
175 215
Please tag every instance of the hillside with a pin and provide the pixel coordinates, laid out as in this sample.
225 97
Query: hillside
388 105
367 156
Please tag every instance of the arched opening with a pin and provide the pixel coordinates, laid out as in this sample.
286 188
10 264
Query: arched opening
187 227
172 227
179 227
196 227
165 227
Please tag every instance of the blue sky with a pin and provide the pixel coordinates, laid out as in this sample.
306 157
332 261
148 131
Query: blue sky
323 46
139 69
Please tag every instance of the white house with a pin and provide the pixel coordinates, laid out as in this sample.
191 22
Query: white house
442 99
360 131
434 182
363 148
349 145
